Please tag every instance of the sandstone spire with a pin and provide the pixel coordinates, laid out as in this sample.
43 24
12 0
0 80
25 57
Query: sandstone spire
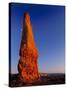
27 66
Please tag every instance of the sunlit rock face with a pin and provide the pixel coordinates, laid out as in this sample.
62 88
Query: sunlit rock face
27 66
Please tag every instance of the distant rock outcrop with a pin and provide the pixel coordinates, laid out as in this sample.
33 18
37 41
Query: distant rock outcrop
27 66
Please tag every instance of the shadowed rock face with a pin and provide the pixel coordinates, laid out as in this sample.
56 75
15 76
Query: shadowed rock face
27 66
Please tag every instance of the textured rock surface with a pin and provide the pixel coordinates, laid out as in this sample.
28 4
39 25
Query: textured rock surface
27 66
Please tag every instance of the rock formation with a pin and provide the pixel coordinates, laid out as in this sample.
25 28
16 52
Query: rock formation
27 66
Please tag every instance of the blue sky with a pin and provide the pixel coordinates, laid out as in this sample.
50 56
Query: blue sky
48 23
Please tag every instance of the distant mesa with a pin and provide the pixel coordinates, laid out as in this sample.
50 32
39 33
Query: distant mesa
28 65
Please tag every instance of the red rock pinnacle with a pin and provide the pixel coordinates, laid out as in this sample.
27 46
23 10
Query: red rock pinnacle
27 66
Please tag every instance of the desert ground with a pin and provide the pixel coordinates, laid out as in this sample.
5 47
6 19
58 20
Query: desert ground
45 79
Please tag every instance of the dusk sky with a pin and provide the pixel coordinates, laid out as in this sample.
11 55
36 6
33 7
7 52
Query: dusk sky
48 23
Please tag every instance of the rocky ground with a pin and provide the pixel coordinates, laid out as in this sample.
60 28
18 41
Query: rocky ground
50 79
